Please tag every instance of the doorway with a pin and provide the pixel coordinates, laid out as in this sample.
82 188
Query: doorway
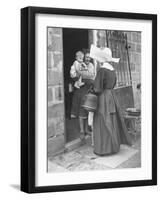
73 40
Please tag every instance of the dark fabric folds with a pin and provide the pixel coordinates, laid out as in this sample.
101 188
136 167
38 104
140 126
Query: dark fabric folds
109 129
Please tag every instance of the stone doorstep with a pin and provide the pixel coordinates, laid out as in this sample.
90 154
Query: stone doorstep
76 143
73 145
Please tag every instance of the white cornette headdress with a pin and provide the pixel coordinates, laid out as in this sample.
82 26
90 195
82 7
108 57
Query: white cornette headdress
102 55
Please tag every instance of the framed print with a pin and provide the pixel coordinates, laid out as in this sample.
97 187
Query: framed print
88 99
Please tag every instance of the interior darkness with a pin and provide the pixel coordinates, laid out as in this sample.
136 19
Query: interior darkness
73 40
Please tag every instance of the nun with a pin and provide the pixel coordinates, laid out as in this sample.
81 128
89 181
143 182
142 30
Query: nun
109 130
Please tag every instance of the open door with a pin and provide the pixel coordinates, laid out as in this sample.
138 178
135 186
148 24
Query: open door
73 40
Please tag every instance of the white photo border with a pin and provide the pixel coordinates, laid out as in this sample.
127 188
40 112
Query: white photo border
42 178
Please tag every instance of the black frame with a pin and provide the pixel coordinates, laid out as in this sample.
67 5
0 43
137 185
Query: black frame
28 98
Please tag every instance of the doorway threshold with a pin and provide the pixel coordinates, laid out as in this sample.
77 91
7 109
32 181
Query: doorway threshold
75 143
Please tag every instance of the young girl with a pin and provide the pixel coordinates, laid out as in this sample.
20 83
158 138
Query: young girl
77 68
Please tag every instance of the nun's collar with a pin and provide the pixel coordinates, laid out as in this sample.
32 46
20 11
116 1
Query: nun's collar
106 65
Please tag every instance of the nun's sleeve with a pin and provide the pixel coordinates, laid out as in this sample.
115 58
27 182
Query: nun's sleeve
89 73
98 82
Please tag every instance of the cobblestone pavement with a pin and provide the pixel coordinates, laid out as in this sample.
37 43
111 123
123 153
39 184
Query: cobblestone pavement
83 159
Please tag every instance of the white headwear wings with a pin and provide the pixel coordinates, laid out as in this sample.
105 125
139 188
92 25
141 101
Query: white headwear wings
102 55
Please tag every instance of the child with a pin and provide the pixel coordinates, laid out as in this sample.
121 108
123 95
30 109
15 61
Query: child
75 73
76 69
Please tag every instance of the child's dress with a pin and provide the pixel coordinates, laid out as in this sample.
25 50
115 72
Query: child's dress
75 72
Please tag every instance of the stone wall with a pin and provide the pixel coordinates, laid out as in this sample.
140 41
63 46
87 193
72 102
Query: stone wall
55 92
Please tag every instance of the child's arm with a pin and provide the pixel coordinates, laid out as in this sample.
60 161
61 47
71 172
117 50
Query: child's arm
74 70
83 66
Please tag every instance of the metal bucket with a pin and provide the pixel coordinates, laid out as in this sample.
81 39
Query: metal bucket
90 102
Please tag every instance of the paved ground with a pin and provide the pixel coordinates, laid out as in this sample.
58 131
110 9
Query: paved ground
83 158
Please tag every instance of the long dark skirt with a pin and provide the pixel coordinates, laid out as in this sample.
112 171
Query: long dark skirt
78 100
109 129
